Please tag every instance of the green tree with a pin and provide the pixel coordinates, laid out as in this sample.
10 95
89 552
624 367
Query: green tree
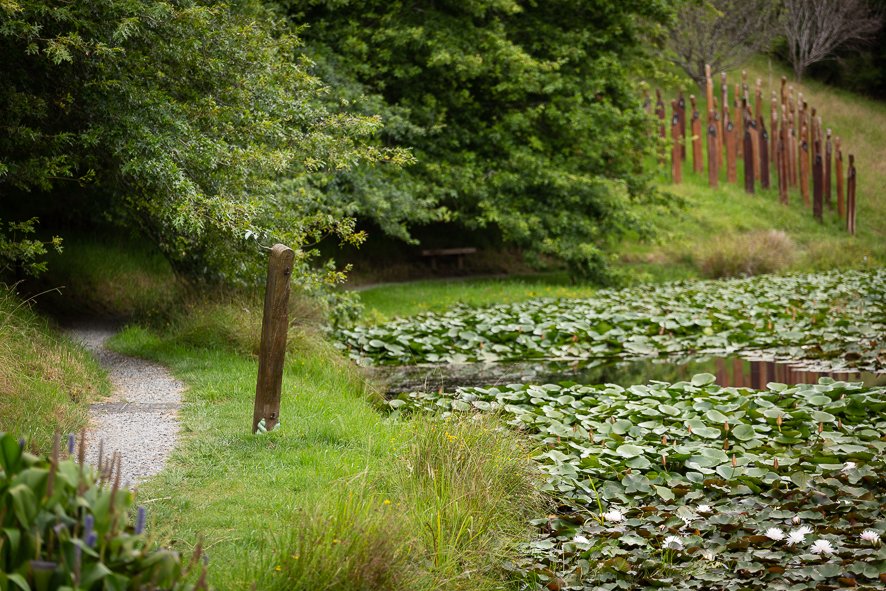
195 122
522 114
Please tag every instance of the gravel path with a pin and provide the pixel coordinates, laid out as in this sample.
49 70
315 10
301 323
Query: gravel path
140 420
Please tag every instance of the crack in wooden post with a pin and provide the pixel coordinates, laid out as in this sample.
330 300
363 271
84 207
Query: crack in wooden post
274 329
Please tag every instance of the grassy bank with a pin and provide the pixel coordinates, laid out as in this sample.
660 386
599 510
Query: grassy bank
726 222
340 496
45 379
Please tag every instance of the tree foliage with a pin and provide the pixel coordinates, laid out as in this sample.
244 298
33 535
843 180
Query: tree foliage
814 29
192 121
523 115
722 33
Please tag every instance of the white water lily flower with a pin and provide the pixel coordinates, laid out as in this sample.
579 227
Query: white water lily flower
774 533
804 529
822 547
673 543
708 555
871 536
848 466
795 520
614 516
795 537
703 509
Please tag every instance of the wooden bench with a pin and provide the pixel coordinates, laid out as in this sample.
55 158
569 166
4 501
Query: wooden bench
459 253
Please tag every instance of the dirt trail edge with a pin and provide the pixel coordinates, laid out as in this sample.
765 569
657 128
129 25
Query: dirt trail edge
140 420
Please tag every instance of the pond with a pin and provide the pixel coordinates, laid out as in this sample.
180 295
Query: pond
730 371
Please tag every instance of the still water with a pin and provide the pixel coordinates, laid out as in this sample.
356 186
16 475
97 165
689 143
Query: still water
730 371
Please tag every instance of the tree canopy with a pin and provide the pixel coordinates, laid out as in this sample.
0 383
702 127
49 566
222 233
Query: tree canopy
192 121
523 115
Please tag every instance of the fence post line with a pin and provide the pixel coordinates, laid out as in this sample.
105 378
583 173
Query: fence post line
274 329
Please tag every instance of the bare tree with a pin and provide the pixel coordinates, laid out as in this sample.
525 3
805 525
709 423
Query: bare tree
722 33
815 28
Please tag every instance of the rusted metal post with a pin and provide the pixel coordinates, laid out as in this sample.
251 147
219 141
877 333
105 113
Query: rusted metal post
850 196
697 157
274 329
838 169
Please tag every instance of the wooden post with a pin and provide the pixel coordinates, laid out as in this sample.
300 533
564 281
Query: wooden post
850 196
719 124
749 157
712 151
731 148
828 157
274 328
764 154
804 163
773 125
697 157
681 107
724 104
738 120
817 180
661 114
676 151
838 168
782 162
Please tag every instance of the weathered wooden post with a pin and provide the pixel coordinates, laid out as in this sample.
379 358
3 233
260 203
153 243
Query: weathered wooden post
676 151
838 166
712 151
738 119
804 163
828 157
661 114
697 157
817 180
274 329
764 154
748 155
681 108
773 125
731 148
850 196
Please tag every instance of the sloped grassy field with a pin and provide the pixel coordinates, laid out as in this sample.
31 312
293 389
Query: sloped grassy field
837 317
694 486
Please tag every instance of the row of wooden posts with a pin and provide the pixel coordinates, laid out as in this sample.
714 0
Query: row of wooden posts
800 152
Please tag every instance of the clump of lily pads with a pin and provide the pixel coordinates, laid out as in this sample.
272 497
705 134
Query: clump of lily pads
694 486
836 317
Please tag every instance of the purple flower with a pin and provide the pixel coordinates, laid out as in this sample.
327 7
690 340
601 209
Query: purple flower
21 443
88 534
140 521
91 539
70 443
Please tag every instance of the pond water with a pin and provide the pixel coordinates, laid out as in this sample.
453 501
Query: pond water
730 371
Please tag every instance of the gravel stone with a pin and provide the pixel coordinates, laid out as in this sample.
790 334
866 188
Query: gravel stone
140 420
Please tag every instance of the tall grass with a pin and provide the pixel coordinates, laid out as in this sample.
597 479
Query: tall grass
45 379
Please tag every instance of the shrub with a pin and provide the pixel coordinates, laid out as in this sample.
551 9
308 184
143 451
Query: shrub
752 253
67 527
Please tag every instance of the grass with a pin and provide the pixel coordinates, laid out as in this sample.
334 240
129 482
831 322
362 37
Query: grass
728 213
45 379
360 498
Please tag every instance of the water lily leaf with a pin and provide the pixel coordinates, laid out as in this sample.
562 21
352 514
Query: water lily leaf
703 379
743 432
664 493
628 450
716 416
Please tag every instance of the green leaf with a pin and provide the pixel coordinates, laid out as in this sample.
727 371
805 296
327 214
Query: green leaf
743 432
664 493
628 450
703 379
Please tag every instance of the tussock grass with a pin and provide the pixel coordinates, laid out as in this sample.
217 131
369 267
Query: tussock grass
45 379
745 255
458 492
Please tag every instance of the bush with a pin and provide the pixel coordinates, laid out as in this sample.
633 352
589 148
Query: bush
68 527
744 255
